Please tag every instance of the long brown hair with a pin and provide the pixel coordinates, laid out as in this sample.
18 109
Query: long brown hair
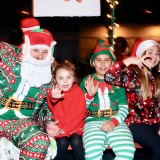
156 75
143 75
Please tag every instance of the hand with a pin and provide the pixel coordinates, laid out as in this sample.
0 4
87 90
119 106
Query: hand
90 86
57 92
139 61
52 129
145 60
107 126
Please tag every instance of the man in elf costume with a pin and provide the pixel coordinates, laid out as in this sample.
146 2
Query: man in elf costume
24 80
107 109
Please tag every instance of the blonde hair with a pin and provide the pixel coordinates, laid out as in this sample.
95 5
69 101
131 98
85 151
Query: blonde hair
157 82
145 86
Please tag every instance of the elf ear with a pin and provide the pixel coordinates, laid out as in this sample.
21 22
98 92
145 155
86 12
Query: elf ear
52 46
113 63
26 45
92 63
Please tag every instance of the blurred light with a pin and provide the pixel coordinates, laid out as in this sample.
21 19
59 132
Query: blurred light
25 12
110 28
116 2
107 35
111 6
109 16
147 11
116 24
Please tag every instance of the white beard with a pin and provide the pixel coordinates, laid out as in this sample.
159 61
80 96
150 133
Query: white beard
36 72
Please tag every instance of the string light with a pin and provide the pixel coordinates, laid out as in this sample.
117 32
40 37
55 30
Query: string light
111 16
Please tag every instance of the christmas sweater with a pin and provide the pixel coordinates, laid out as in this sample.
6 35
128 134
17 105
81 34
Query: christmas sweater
141 111
107 97
12 85
70 111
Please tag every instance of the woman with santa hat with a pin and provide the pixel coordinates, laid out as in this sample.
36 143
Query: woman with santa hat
140 76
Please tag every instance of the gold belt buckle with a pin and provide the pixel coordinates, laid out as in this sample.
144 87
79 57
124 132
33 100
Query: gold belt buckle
99 113
111 112
11 104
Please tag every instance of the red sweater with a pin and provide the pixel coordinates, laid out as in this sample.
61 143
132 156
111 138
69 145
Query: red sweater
69 110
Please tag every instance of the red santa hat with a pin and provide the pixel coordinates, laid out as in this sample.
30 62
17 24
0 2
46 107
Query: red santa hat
30 23
141 46
135 46
38 38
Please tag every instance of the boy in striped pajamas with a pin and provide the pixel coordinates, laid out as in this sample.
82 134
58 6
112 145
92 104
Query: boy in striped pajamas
107 109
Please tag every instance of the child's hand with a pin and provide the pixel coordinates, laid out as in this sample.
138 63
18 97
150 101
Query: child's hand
90 86
52 129
56 92
107 126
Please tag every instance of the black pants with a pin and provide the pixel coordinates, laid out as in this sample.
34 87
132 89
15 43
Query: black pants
147 136
77 147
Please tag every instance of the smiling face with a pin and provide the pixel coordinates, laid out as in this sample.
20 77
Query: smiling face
154 53
64 78
102 63
39 53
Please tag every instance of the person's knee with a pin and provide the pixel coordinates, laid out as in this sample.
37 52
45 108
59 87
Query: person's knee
76 141
127 154
62 143
35 140
39 142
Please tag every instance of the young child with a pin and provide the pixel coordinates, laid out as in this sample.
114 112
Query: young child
140 78
107 110
67 103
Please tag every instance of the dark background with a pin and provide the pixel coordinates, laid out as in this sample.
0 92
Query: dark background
127 12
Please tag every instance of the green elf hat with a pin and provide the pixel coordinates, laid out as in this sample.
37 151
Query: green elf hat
102 47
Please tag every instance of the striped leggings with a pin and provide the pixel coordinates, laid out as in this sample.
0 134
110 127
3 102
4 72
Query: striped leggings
96 141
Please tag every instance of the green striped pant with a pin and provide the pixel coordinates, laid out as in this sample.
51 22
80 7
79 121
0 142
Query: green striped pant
96 141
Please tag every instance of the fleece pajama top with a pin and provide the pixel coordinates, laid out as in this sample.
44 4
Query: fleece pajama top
17 121
107 98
